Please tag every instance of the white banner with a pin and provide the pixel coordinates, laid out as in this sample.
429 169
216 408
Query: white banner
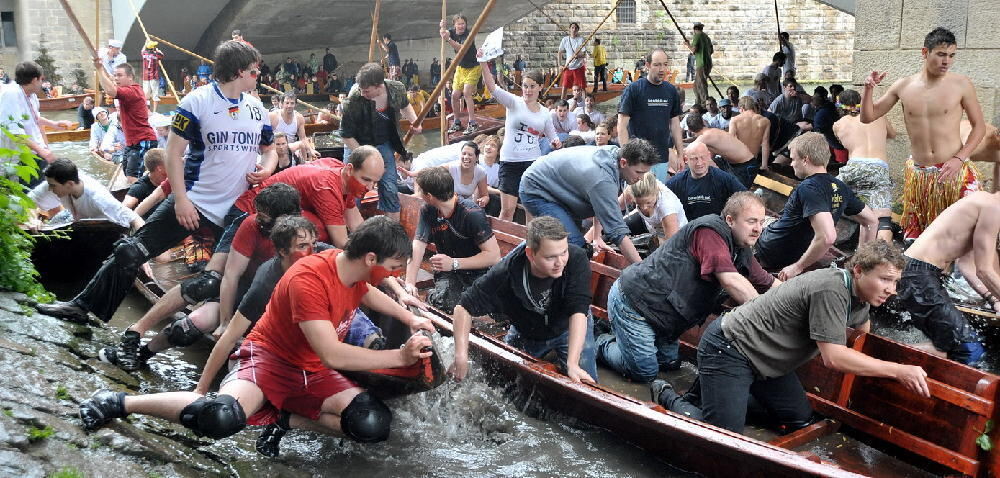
493 46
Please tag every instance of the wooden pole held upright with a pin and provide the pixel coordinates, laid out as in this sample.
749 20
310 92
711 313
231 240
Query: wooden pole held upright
79 28
374 38
777 22
577 51
443 116
451 70
98 96
684 37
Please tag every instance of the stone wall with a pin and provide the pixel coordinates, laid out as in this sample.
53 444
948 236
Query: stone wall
47 18
743 34
889 38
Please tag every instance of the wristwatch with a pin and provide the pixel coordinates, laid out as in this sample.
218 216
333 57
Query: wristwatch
454 264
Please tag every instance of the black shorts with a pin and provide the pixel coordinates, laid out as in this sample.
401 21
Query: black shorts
134 154
922 293
510 176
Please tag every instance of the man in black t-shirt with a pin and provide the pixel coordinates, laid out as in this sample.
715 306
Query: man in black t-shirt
467 74
703 189
460 232
329 61
156 174
85 113
650 108
807 227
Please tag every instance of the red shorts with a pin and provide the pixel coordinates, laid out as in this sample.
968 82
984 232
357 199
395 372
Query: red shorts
285 386
840 155
574 77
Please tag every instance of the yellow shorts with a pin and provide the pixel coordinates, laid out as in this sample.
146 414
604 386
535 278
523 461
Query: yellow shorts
467 76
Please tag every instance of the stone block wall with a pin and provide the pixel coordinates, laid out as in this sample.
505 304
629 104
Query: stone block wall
743 34
47 18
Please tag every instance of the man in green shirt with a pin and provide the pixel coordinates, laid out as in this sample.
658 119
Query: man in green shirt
701 46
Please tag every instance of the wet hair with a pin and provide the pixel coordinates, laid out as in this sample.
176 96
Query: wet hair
870 255
649 54
280 134
812 145
437 182
278 199
381 235
287 228
739 202
586 119
154 158
748 103
62 170
939 36
288 96
639 151
850 100
544 227
359 156
129 71
646 186
778 57
26 71
474 145
231 57
573 141
370 74
694 123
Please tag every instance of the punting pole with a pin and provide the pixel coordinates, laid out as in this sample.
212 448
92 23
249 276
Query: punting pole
79 28
451 70
777 22
443 116
160 63
374 37
577 51
684 37
97 43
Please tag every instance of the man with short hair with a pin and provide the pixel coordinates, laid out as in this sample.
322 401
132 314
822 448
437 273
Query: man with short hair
133 116
649 109
789 51
112 56
788 106
371 117
101 127
543 287
293 124
753 130
575 101
461 233
391 56
757 347
561 119
713 115
675 288
576 183
85 113
600 65
467 74
151 58
742 163
156 173
587 108
435 71
938 172
701 188
288 373
83 196
772 77
807 227
19 104
701 46
329 61
519 66
572 59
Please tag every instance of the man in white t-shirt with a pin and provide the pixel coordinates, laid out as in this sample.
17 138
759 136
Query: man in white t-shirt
81 195
574 62
587 108
19 114
112 56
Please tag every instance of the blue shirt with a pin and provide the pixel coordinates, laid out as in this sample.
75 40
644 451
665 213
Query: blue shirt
650 108
705 195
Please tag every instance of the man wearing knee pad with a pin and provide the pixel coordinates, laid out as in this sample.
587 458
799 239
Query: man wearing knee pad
287 375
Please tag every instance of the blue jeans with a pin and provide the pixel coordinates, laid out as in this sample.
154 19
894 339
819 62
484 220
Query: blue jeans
388 187
634 350
559 343
545 144
539 206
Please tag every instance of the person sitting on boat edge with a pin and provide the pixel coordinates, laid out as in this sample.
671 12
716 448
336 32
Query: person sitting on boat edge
757 347
101 127
702 188
966 234
156 173
468 177
543 287
65 187
807 227
573 184
288 372
461 234
655 301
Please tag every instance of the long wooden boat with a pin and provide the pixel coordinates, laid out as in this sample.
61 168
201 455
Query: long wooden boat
937 434
60 103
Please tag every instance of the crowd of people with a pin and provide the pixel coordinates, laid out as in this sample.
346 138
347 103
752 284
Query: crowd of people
584 183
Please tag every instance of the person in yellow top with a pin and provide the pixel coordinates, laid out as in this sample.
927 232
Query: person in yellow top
417 97
600 64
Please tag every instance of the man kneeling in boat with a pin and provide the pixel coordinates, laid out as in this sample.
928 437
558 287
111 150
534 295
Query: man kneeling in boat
461 233
756 348
80 195
290 361
971 225
675 288
543 287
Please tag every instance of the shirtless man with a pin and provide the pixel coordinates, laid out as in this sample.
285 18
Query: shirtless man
722 143
970 227
988 150
866 171
293 124
753 129
938 173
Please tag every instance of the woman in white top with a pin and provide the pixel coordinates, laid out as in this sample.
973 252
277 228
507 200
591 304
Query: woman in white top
658 206
490 161
584 128
527 120
469 176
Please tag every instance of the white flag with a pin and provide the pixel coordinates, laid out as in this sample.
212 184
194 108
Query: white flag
493 46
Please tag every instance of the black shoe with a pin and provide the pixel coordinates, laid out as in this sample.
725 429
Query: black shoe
102 407
671 366
126 355
657 388
68 311
269 440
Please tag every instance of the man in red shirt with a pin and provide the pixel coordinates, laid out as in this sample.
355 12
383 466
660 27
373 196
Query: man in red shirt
287 374
151 57
139 135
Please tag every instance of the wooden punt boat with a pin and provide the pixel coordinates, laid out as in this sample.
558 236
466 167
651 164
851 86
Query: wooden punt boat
73 252
59 103
938 434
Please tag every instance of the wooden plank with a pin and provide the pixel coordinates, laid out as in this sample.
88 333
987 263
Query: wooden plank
805 435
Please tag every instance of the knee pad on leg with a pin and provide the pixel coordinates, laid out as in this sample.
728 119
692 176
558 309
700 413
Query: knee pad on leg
885 224
182 332
202 287
218 418
366 419
130 253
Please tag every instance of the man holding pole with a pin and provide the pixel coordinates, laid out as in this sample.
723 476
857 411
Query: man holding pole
467 75
151 57
574 71
701 46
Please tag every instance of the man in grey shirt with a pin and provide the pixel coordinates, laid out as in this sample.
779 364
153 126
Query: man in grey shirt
788 106
572 184
789 51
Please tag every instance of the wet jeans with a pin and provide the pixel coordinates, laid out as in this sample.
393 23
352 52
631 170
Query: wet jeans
559 344
634 350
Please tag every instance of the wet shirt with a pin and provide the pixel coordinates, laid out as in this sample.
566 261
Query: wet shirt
142 188
462 190
705 195
457 236
96 202
320 191
785 240
667 205
650 108
264 281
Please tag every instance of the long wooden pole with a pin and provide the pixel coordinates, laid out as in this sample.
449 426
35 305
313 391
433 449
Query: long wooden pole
443 116
79 28
145 33
374 38
684 37
451 70
98 96
553 20
577 51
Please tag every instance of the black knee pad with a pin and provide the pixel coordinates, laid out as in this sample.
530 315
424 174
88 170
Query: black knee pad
130 253
218 418
885 223
182 332
366 419
202 287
